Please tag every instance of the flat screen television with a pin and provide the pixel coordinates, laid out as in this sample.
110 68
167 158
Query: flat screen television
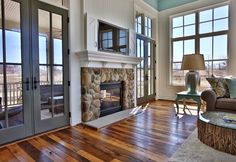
112 38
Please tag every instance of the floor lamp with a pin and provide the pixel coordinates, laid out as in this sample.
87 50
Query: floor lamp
193 62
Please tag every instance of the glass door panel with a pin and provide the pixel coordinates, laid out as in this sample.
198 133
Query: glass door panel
51 64
140 69
58 88
150 68
52 59
58 99
11 68
44 64
14 71
145 69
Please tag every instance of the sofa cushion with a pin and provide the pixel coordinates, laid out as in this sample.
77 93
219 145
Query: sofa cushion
219 85
226 104
232 87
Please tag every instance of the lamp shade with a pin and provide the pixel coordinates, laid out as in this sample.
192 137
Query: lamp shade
193 62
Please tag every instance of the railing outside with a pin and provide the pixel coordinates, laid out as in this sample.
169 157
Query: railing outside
14 92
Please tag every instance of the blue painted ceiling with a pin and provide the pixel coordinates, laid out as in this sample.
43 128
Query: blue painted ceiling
153 3
166 4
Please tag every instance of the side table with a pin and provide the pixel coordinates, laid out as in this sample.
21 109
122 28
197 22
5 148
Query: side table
186 96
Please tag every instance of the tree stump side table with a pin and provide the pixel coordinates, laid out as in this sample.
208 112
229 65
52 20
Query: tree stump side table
216 133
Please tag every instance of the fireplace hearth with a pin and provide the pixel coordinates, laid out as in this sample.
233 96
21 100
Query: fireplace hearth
111 95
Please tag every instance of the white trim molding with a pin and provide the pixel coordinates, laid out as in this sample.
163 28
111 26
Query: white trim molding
107 57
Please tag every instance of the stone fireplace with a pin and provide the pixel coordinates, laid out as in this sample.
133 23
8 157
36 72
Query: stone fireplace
105 91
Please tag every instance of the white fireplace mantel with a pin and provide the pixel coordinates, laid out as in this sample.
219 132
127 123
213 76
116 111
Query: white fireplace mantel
107 57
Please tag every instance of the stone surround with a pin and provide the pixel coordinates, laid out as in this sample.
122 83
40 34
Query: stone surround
91 78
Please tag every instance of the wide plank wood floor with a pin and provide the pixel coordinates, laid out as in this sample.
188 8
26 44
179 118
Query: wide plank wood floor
152 136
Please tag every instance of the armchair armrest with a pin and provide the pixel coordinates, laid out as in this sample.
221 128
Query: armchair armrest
209 96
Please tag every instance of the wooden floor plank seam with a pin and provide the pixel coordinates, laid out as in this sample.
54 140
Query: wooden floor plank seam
153 135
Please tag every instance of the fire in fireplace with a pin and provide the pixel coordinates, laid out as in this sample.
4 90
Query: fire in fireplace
111 97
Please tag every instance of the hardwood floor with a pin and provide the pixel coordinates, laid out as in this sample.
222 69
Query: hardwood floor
152 136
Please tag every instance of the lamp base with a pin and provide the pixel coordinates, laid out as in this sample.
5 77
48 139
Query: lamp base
192 82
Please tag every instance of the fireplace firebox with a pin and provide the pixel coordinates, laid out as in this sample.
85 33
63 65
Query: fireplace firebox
111 96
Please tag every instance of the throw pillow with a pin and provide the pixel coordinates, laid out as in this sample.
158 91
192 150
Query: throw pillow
232 87
219 85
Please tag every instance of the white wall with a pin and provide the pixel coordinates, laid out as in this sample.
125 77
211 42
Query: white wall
117 12
232 60
166 91
76 35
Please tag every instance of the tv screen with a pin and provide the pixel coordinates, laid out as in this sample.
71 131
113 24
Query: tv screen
112 38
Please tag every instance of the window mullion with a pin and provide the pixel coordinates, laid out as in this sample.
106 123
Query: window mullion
183 28
213 26
212 54
184 38
212 62
197 38
143 24
213 34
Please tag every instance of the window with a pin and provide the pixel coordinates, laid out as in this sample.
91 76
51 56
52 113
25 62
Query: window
148 27
43 58
64 3
143 25
139 24
140 67
145 48
107 41
122 41
205 32
13 46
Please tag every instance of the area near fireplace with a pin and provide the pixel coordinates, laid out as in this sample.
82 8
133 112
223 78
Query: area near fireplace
111 98
100 66
105 91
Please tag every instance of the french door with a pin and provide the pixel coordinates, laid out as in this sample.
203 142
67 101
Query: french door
50 66
145 48
33 68
15 92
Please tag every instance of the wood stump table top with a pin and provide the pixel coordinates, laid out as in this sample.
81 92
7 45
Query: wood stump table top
216 133
216 118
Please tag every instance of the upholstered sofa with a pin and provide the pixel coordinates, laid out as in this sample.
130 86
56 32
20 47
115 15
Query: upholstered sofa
218 104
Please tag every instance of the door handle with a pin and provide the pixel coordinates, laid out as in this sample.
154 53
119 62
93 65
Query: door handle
27 82
35 83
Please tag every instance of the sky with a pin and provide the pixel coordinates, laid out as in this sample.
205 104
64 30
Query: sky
212 20
13 48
